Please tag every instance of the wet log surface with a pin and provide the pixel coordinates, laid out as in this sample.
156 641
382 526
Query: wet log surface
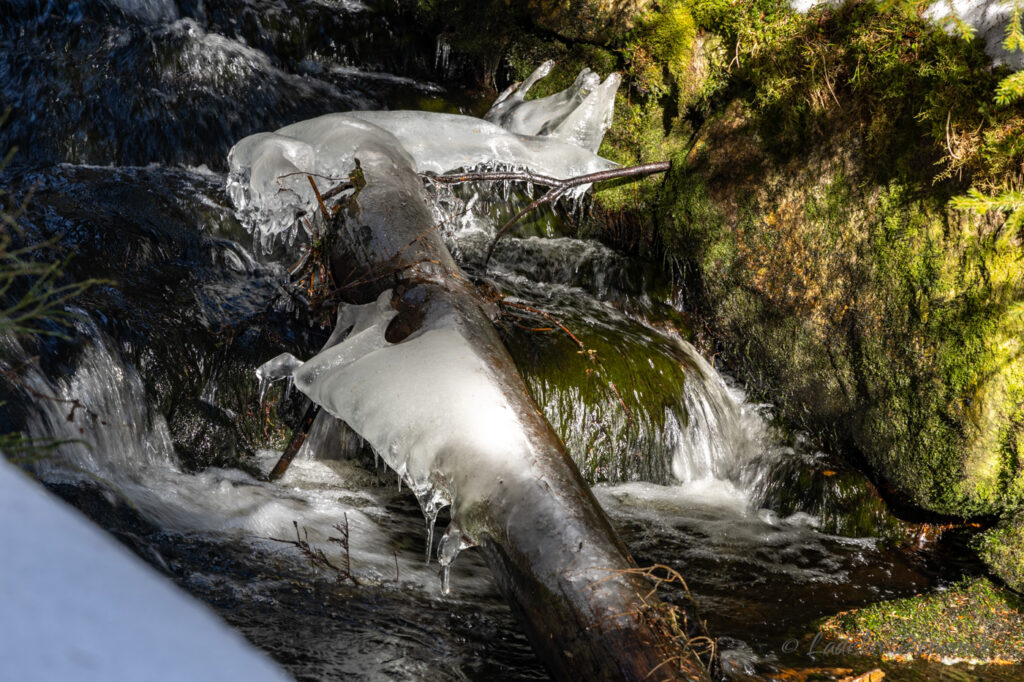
589 613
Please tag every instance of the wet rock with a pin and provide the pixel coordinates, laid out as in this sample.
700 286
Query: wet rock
1002 549
204 436
843 500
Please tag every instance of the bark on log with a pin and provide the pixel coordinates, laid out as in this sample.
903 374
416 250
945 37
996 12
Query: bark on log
550 545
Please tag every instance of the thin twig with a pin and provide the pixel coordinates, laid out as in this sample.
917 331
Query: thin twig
298 438
318 558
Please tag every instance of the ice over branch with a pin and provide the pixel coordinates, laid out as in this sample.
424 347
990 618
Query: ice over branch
556 136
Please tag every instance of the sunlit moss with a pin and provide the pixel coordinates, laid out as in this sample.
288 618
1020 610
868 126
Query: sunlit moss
973 620
1002 548
611 401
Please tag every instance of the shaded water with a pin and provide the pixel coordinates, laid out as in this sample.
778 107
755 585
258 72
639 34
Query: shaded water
121 110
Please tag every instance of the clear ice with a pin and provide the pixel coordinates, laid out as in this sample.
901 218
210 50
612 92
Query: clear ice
268 181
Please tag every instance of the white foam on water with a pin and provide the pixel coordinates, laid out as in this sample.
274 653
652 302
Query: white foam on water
113 438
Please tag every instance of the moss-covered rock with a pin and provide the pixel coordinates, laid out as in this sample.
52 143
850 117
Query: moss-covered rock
1002 549
842 499
877 314
593 21
972 621
611 388
833 272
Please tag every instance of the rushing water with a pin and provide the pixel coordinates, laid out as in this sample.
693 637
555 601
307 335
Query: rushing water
123 113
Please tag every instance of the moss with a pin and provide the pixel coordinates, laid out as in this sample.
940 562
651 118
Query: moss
663 44
973 620
1002 550
872 311
811 217
613 402
590 21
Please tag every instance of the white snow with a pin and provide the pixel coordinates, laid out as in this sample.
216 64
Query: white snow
76 605
989 19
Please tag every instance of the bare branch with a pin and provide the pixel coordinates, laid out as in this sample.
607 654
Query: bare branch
557 187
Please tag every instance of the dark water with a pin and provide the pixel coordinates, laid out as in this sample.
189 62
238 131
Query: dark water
123 113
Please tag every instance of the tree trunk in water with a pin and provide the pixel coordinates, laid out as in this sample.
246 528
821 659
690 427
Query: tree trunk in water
587 610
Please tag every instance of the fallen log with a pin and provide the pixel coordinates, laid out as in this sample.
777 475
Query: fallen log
421 333
416 368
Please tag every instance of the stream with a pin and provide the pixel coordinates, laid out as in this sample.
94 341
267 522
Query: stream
123 112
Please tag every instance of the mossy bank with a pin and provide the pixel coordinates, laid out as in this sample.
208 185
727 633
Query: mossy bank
813 217
808 215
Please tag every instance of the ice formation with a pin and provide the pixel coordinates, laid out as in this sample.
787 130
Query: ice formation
268 181
441 405
581 114
429 406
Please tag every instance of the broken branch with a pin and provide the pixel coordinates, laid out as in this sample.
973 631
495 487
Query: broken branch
556 187
298 438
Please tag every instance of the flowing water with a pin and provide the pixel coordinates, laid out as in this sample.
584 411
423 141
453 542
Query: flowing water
123 113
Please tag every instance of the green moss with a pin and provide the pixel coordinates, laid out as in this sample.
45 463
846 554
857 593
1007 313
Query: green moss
663 43
873 312
1002 550
972 620
611 403
811 215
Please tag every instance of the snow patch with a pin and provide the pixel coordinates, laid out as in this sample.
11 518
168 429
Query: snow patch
98 612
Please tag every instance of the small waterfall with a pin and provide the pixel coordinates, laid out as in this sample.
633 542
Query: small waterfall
708 430
102 416
111 437
724 432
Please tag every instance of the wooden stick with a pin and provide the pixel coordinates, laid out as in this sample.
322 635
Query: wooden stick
298 438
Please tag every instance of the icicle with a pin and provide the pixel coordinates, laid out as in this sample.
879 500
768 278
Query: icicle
264 387
431 518
442 54
451 544
445 586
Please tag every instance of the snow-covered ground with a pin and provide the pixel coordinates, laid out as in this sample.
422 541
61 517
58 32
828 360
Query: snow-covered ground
76 605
